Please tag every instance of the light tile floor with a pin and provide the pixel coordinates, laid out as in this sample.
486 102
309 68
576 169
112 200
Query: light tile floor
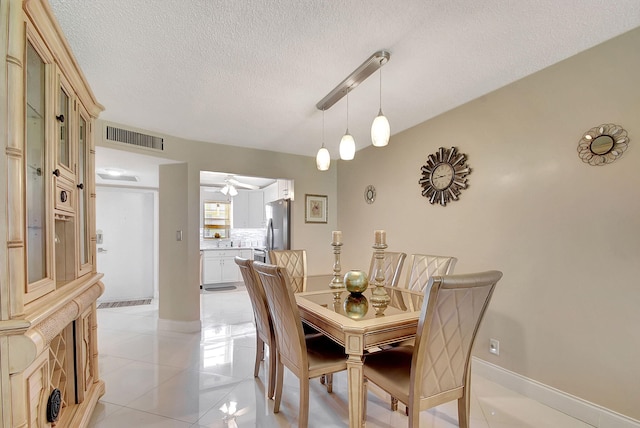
175 380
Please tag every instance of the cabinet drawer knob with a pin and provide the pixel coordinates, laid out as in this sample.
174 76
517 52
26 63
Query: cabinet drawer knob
80 186
56 172
63 196
60 118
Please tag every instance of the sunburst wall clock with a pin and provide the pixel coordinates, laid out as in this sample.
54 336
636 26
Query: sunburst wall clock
444 176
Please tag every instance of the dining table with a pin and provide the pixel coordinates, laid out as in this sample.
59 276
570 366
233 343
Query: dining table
350 320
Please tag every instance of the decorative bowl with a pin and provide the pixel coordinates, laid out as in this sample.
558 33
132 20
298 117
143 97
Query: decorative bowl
355 306
356 281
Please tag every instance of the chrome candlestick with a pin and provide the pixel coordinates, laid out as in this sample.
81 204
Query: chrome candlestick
379 299
336 284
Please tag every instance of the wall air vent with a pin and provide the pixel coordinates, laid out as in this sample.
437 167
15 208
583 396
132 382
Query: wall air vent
118 177
134 138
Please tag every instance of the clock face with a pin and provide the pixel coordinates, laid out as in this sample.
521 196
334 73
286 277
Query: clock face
444 176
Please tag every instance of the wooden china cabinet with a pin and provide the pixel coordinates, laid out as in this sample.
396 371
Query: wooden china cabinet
48 280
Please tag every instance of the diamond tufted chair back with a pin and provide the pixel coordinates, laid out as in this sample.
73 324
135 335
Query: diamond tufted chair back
295 263
392 268
425 266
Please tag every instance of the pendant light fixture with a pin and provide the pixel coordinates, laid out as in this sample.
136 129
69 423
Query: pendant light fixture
323 158
347 143
380 129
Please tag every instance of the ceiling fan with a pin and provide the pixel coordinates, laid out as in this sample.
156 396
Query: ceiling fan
231 184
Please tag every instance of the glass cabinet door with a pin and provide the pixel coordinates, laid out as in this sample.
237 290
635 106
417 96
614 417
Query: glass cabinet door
35 182
83 200
63 119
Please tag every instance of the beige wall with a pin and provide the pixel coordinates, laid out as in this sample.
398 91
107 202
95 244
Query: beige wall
180 207
565 234
177 296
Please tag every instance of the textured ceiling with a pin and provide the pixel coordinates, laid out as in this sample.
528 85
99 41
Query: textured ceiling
249 73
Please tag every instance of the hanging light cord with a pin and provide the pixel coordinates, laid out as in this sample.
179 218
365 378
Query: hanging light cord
348 110
322 128
380 88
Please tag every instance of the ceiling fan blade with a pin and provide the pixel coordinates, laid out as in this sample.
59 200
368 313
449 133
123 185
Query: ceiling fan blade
243 185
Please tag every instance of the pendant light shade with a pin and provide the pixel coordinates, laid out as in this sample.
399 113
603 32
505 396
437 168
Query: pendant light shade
347 147
347 143
323 158
380 129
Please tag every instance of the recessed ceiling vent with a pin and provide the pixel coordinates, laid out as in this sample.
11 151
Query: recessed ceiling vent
118 177
134 138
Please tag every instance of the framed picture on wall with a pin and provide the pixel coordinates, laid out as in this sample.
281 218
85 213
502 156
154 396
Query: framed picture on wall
315 208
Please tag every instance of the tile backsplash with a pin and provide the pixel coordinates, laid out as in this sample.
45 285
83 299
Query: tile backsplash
245 238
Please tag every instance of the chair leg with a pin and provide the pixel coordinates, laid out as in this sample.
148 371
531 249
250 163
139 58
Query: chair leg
322 379
329 382
259 355
414 416
365 391
278 394
303 416
394 404
272 370
463 410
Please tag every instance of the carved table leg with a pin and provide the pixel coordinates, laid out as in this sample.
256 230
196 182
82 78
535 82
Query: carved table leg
354 345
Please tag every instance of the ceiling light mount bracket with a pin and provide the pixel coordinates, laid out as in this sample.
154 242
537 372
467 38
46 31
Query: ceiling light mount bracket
366 69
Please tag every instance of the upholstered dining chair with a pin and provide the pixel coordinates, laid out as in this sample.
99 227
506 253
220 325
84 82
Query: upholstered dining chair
393 262
437 368
425 266
295 263
264 326
305 357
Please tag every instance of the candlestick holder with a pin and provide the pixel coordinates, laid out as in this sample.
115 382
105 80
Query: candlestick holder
379 297
336 284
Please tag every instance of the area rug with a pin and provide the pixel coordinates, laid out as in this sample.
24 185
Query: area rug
124 303
223 286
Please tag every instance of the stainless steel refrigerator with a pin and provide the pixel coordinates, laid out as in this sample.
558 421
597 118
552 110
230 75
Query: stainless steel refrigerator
278 215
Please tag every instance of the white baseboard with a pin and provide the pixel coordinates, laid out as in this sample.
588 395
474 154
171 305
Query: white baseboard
575 407
179 326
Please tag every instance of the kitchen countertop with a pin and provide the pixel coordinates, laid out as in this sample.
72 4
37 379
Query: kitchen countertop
213 247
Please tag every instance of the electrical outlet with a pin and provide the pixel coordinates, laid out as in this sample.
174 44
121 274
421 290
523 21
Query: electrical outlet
494 346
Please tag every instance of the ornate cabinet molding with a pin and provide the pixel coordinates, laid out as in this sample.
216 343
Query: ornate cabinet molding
48 279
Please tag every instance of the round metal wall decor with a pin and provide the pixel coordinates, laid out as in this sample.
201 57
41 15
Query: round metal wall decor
370 194
444 176
603 144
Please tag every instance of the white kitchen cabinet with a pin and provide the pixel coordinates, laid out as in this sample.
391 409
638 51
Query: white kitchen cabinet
285 189
270 193
248 209
240 204
256 209
281 189
219 265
